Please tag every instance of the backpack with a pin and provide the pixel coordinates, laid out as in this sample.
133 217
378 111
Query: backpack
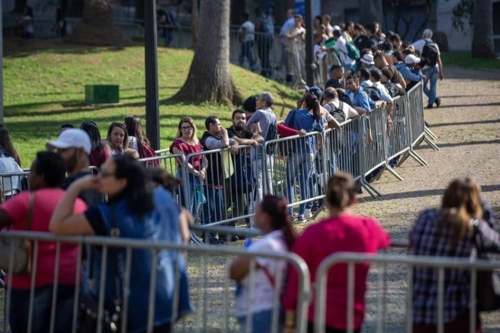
430 53
373 93
272 134
337 113
352 51
393 89
338 136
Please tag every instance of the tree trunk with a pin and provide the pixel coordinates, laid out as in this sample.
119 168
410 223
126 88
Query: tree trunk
194 23
96 27
371 11
482 39
209 79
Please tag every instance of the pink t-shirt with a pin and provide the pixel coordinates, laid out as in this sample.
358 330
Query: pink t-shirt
188 149
346 233
46 201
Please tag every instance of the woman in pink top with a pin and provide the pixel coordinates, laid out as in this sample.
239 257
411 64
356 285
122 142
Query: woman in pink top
45 179
185 144
340 232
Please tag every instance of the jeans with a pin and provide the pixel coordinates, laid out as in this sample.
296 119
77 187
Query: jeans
299 166
192 202
258 175
431 77
42 304
261 322
214 208
246 52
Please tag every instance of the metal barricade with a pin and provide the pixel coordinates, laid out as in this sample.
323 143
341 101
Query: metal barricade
12 183
398 294
342 150
296 168
398 135
228 193
210 289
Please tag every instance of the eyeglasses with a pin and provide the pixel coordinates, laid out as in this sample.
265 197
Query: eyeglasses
185 128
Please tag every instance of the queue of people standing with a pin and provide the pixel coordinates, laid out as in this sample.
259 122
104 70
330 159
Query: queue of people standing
343 48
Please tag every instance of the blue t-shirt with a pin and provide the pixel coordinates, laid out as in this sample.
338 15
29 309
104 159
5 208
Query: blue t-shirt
304 120
159 225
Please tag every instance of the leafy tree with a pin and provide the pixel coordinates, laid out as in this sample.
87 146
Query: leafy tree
209 79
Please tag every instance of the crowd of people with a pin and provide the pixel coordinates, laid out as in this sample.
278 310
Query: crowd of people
343 49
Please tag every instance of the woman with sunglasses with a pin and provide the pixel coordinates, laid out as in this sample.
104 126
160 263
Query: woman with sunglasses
135 209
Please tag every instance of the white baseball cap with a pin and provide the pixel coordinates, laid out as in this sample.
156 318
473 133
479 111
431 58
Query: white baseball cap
72 138
368 59
412 59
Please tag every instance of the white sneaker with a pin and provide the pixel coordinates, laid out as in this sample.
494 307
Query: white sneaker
307 214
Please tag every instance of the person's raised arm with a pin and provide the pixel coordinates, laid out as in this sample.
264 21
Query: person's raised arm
63 221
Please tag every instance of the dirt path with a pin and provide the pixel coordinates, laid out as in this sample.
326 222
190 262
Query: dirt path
468 128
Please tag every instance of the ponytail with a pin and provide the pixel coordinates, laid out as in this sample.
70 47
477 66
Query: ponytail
312 103
341 191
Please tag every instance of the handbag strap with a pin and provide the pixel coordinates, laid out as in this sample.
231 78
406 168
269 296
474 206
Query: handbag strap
115 232
31 208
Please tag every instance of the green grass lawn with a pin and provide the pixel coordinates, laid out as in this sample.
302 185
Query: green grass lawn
464 59
44 89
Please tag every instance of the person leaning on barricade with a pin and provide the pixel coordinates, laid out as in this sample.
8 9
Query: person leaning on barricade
455 230
31 211
134 210
273 219
340 232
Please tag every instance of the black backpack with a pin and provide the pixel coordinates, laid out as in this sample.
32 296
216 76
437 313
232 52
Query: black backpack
272 134
394 89
336 112
430 53
373 93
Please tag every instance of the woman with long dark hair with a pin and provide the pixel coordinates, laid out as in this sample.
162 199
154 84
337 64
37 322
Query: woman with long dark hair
99 152
137 210
449 232
137 137
6 144
341 231
117 139
278 235
301 152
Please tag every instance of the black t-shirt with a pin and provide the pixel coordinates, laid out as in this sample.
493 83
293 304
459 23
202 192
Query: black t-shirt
333 83
91 198
244 134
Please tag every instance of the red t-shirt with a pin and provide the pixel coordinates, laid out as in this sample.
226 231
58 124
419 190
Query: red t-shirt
45 203
346 233
98 156
188 149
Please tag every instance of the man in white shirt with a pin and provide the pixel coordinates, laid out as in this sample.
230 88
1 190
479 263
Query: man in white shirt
286 57
297 42
433 68
247 38
340 46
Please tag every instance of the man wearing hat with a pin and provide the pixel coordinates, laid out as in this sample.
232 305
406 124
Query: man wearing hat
367 61
408 70
74 146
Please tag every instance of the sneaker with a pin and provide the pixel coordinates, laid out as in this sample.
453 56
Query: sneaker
438 102
301 219
307 214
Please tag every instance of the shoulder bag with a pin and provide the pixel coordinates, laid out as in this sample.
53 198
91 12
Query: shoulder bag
89 308
21 248
488 282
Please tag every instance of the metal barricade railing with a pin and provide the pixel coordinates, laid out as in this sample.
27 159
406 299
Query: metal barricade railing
406 262
297 169
12 183
398 136
229 191
206 275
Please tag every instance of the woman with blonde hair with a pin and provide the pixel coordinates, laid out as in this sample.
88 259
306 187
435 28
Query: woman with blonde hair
449 231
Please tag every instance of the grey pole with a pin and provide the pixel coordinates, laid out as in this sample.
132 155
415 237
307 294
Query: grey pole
309 44
151 67
1 65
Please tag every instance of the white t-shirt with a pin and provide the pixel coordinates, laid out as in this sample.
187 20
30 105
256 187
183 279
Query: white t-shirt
289 24
132 143
340 45
419 46
248 28
262 292
349 111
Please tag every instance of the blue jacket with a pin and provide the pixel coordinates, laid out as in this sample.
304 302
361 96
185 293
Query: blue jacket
407 73
160 225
